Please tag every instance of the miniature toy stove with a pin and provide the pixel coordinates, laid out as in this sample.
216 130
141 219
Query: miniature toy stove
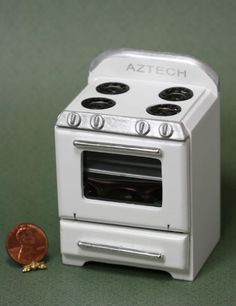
137 154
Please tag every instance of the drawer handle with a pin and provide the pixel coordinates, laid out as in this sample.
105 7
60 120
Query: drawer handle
95 246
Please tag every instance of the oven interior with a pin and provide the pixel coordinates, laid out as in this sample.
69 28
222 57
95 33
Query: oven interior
122 178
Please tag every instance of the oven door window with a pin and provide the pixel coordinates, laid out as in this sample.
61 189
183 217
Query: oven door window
122 178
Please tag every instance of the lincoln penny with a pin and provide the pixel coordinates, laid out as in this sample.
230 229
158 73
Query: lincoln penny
27 243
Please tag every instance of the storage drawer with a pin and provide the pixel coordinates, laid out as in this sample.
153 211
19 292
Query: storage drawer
86 241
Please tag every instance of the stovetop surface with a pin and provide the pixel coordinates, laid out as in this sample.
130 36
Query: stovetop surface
139 101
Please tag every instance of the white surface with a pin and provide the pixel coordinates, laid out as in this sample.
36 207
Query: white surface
174 213
153 55
205 186
133 103
157 67
174 247
190 169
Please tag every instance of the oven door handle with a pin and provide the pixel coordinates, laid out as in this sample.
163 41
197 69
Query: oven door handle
127 251
112 146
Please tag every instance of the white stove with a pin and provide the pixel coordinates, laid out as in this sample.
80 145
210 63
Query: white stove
138 164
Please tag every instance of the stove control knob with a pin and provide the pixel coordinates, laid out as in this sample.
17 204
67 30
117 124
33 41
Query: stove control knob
73 119
142 127
97 122
165 130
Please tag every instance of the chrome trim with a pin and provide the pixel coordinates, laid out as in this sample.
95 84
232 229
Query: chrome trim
114 146
125 52
124 125
115 173
101 247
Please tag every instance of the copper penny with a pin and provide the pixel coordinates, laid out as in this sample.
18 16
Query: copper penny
27 243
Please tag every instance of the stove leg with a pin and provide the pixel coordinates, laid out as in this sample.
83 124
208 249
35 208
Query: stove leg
182 276
72 260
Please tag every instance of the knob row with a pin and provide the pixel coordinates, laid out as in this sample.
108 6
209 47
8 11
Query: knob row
74 120
142 127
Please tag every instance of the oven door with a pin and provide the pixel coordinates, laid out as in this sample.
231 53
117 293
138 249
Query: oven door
123 179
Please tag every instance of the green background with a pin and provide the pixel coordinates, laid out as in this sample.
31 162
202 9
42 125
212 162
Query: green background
45 51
